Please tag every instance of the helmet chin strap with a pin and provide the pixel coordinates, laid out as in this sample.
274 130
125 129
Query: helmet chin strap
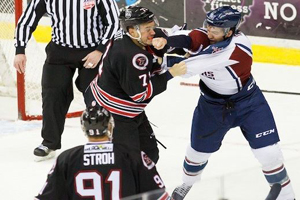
137 38
109 135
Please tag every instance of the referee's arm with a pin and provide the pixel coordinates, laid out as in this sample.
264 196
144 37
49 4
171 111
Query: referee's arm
109 12
28 23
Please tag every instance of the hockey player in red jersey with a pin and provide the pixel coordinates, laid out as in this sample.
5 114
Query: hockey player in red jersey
222 57
100 169
130 75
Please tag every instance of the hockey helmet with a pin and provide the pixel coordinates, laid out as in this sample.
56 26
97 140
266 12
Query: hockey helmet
224 17
95 120
135 15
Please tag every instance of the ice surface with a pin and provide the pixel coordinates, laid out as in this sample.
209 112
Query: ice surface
231 173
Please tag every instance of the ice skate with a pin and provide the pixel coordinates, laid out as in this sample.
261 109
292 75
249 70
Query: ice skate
43 153
180 192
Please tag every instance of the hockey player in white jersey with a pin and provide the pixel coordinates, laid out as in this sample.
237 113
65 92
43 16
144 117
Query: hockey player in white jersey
222 56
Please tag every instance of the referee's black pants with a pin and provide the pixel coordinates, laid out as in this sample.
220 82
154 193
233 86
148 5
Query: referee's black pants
57 88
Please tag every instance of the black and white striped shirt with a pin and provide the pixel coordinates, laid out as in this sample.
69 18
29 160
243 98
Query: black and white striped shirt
75 23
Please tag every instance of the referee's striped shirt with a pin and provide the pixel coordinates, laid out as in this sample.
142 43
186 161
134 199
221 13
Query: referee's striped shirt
75 23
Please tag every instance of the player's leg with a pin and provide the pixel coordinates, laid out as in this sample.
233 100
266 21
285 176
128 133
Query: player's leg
274 171
126 133
194 164
260 130
148 142
208 130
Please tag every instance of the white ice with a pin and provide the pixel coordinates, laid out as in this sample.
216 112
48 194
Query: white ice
232 172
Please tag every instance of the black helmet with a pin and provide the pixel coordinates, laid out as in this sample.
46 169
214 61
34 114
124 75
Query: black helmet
134 15
94 121
224 17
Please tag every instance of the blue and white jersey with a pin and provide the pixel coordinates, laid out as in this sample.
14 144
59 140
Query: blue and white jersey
224 67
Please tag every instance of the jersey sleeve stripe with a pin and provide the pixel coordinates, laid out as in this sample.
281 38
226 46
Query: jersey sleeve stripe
245 49
118 100
111 108
116 105
235 77
144 95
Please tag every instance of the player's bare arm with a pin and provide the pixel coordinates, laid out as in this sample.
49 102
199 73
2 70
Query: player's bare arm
20 63
92 59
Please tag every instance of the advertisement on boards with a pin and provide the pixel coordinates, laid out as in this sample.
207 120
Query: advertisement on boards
168 12
276 19
273 18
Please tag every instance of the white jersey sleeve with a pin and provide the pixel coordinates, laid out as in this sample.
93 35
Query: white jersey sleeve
199 64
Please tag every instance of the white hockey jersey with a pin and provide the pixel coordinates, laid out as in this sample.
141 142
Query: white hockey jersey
224 67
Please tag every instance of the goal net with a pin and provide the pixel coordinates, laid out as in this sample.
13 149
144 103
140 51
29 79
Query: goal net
25 87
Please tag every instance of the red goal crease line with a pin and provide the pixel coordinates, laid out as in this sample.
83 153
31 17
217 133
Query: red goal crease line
266 91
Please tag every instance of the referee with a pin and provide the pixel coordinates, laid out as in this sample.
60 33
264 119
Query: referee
81 30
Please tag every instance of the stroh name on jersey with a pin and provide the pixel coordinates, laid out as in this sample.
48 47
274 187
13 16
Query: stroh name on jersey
99 159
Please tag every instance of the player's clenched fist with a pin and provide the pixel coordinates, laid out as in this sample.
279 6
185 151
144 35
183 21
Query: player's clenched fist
178 69
159 43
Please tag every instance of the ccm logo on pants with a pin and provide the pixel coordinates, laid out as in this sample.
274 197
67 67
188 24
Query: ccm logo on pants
258 135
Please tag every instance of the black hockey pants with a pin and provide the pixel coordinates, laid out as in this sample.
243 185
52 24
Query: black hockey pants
137 134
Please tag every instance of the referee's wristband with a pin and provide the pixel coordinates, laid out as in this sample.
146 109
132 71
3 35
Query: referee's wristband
20 50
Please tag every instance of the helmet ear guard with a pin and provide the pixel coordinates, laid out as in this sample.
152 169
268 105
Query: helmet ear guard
95 121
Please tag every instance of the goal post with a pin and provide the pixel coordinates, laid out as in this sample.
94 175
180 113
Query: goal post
20 77
25 87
